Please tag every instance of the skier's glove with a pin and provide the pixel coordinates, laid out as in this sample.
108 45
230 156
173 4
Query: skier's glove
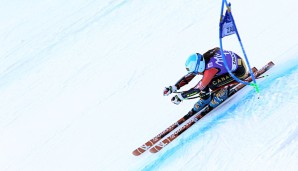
177 99
204 94
168 90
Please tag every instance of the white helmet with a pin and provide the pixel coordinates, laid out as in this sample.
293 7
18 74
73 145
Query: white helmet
195 63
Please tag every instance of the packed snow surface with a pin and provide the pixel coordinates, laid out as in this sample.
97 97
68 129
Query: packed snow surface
81 85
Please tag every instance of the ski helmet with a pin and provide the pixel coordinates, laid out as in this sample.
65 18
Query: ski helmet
195 63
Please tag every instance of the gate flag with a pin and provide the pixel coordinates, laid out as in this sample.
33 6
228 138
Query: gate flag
227 26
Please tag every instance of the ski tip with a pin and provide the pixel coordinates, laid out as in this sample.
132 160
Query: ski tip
143 148
271 63
135 153
138 152
153 150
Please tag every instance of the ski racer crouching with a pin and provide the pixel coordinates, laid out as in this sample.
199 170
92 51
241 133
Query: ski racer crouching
215 77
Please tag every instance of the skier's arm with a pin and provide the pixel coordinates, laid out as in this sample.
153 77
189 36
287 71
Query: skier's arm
184 80
207 77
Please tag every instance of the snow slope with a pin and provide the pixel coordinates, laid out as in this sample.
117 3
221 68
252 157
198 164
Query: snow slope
81 85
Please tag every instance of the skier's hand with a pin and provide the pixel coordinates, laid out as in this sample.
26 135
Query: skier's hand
204 94
177 99
168 90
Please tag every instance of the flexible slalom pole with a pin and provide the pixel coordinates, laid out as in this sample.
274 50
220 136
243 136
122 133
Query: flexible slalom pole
254 84
221 47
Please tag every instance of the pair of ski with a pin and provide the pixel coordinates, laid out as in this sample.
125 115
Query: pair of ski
157 143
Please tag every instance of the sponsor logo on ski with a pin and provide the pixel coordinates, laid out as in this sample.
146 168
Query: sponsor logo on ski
165 132
162 144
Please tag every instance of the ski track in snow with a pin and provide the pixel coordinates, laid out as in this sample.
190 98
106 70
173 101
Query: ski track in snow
36 57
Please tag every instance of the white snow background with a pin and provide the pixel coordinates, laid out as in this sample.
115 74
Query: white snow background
81 85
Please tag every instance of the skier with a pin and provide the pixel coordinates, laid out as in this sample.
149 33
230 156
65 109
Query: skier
215 77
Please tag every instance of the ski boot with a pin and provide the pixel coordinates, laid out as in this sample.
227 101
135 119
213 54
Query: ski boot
204 100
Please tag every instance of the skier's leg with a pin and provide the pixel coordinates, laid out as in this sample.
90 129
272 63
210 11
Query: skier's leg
219 97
